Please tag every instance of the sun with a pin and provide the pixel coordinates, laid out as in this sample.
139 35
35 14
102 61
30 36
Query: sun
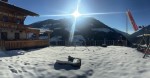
76 14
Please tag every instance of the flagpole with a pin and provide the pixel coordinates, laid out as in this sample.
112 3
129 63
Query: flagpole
126 27
126 22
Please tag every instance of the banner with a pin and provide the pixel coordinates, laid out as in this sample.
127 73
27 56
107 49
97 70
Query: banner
135 27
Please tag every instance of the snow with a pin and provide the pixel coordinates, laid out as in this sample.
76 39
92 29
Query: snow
44 30
58 28
102 29
56 38
97 62
78 40
43 37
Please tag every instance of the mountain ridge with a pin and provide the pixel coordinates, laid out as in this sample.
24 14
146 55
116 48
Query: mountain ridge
90 28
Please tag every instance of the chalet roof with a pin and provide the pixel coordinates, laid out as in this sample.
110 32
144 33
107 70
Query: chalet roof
26 12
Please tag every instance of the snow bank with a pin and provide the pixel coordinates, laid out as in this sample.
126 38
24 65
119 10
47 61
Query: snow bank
97 62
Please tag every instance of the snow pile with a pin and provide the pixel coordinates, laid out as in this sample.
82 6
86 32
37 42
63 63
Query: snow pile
97 62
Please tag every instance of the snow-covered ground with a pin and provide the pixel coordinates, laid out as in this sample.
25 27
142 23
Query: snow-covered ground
97 62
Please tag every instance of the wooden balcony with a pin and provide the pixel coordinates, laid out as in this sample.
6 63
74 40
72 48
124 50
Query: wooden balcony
23 44
8 25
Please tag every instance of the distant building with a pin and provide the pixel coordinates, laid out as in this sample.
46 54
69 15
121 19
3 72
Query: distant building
13 32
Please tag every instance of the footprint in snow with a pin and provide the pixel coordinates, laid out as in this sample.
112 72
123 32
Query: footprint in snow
26 63
89 72
12 69
10 66
23 69
142 71
35 64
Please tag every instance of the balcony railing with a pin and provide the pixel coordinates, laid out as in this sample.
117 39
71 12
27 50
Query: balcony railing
23 44
9 25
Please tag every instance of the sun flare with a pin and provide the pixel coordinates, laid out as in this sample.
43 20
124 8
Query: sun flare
76 14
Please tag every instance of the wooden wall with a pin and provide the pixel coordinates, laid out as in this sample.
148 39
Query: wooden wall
23 44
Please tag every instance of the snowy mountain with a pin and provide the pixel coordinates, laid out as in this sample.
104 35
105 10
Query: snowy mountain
123 33
89 28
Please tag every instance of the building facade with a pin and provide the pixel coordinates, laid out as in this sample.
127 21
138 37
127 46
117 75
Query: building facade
13 32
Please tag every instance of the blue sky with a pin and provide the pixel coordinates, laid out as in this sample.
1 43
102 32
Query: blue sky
139 8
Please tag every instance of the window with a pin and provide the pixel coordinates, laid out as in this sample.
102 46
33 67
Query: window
4 35
5 18
1 18
17 36
18 21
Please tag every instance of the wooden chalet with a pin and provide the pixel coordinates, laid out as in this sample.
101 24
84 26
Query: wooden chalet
13 32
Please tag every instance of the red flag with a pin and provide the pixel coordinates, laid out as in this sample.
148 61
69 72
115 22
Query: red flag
135 27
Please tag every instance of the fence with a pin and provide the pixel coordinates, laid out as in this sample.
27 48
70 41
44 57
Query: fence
90 43
23 44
